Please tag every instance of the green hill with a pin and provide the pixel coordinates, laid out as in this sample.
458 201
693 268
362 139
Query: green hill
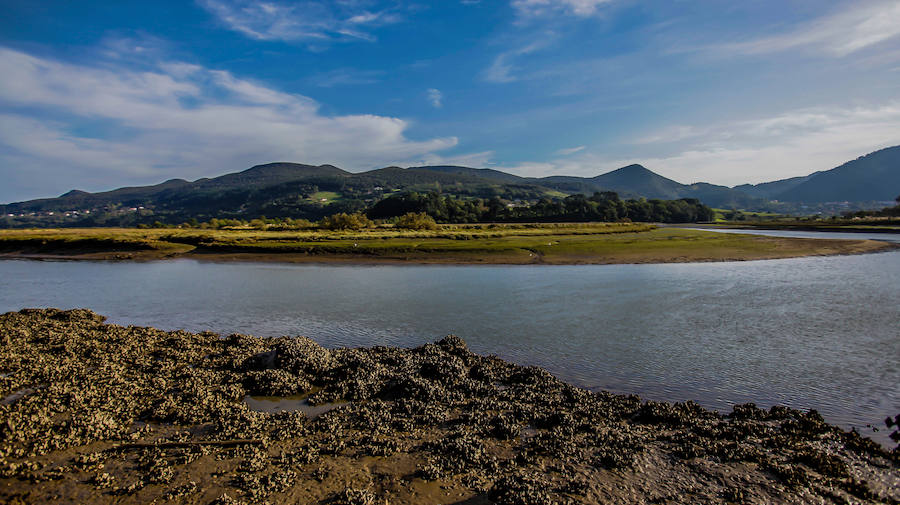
873 177
295 190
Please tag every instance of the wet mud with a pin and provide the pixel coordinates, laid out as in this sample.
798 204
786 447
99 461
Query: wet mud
98 413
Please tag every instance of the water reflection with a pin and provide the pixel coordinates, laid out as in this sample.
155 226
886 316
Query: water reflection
809 333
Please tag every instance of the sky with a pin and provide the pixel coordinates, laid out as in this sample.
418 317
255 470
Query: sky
99 95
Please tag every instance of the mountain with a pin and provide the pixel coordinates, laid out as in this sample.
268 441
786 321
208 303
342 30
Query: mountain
311 192
637 181
274 190
308 191
270 174
769 189
874 177
481 173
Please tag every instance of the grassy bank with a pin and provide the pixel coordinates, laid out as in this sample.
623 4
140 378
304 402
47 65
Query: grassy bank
499 244
97 413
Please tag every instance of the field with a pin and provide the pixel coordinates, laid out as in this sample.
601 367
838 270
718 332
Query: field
324 197
499 244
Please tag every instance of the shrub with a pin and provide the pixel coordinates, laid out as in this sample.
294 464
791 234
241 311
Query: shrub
416 221
344 221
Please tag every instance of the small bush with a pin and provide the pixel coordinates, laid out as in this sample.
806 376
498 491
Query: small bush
344 221
416 221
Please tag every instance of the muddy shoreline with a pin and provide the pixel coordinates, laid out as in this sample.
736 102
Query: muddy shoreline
810 248
100 413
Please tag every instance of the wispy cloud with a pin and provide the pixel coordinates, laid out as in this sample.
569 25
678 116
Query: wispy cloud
300 21
501 69
475 160
537 8
435 98
178 120
839 34
346 77
570 150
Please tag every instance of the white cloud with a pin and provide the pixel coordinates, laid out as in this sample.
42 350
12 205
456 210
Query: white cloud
435 98
842 33
296 21
758 150
535 8
176 121
570 150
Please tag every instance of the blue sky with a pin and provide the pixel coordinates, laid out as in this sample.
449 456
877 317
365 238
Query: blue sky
97 95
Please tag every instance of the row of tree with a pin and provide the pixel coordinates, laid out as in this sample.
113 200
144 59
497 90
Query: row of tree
885 212
440 208
601 206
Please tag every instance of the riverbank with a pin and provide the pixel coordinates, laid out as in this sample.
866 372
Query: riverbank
818 226
108 414
582 243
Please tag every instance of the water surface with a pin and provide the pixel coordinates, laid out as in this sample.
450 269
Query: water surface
821 332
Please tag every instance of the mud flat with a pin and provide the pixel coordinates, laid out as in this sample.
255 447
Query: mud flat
97 413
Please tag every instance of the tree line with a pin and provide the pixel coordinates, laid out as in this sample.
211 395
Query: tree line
885 212
601 206
437 207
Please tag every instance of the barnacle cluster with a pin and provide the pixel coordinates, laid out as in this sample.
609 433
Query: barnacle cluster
106 413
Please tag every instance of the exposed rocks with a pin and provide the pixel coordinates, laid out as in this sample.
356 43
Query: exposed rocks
135 415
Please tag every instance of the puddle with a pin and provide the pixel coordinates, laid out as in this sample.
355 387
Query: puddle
276 404
18 395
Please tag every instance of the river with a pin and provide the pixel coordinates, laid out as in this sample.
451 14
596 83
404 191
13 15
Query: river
819 332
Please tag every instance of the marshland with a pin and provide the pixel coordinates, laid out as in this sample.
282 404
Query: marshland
572 243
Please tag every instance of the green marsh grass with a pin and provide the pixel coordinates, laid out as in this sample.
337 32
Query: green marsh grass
497 243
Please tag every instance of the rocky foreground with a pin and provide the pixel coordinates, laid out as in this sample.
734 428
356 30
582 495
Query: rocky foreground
97 413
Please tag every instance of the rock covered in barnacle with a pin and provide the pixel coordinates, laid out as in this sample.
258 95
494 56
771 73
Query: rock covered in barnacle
103 412
301 355
275 382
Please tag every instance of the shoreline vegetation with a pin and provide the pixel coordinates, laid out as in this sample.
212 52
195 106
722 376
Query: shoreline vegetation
542 243
100 413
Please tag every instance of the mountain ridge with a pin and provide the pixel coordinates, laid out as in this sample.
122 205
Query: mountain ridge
286 188
871 177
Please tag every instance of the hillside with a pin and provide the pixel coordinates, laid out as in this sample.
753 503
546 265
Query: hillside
874 177
768 190
311 192
636 181
274 190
